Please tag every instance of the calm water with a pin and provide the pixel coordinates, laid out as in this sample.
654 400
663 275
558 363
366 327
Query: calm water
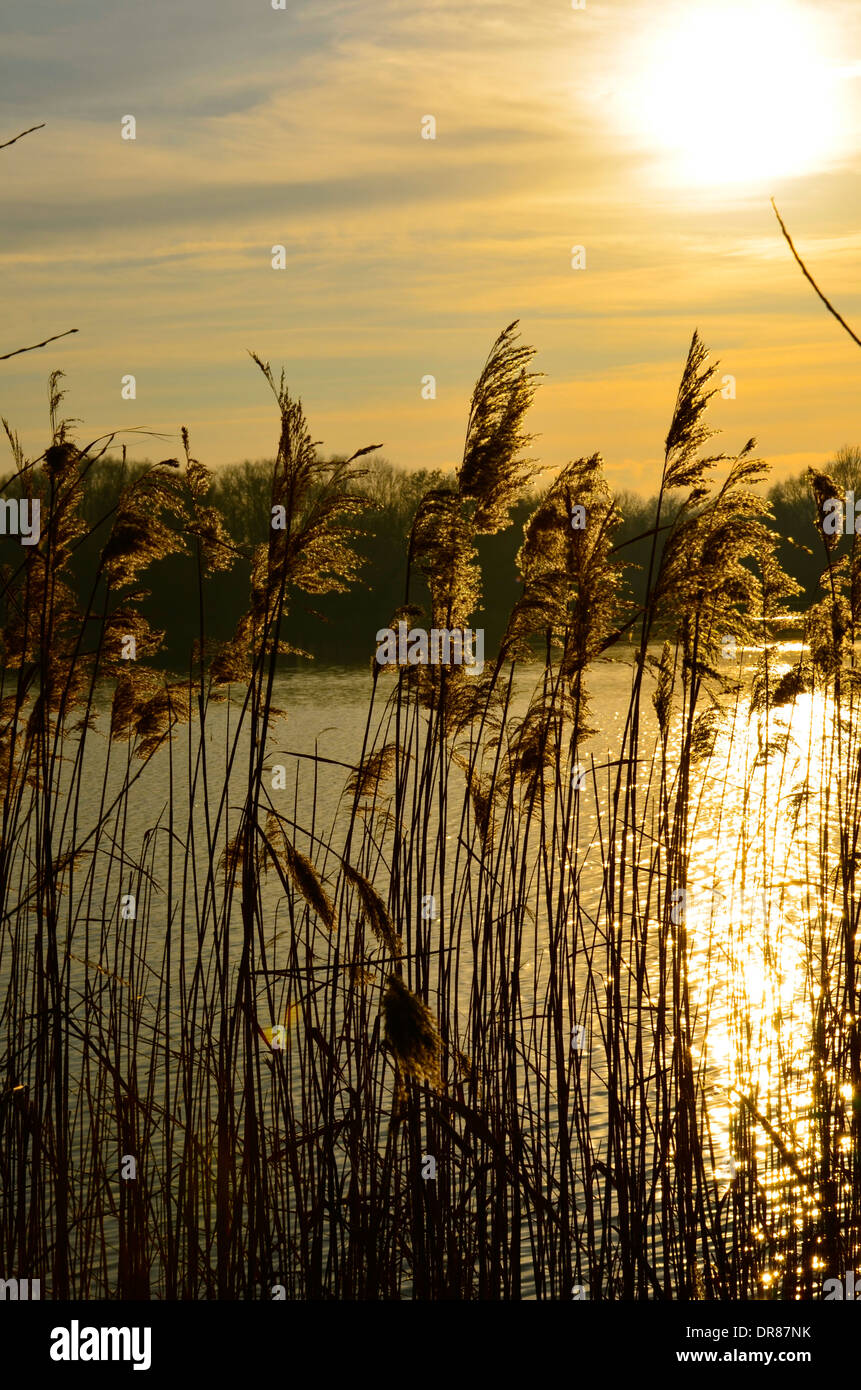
750 911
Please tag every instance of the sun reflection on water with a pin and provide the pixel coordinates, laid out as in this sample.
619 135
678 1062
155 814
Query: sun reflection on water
761 927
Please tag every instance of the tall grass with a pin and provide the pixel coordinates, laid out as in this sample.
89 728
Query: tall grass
282 1019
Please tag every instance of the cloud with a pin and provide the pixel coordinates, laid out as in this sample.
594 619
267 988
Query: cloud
404 255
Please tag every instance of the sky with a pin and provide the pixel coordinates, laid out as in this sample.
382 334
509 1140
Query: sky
651 134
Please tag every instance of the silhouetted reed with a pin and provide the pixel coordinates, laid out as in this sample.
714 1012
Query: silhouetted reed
457 1043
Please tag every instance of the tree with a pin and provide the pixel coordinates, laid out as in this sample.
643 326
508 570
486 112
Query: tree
845 468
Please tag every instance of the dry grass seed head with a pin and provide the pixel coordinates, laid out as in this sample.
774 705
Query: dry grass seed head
375 911
412 1033
494 471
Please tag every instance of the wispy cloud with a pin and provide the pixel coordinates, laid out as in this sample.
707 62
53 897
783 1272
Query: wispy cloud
404 256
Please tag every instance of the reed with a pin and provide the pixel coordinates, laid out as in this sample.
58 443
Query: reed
281 1019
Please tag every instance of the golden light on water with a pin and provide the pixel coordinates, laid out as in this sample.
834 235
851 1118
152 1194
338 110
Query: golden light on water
736 93
755 926
762 935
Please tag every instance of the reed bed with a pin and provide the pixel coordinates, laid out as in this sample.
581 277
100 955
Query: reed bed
462 1040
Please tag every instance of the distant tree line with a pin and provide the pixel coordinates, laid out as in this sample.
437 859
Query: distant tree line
340 628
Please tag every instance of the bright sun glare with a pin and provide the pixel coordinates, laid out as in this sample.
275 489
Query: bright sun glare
736 92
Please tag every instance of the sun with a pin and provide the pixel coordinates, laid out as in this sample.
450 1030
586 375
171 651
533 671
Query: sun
734 92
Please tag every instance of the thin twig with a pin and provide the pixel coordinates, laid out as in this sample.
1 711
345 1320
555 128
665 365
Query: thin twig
33 346
6 143
827 302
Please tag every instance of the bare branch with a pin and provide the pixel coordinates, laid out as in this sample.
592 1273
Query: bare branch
33 346
6 355
829 306
6 143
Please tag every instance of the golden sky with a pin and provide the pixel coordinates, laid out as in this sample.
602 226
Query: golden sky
652 134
